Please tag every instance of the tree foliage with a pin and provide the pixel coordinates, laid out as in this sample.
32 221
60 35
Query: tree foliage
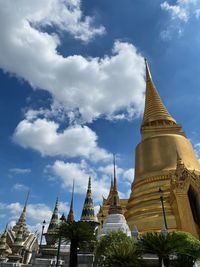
78 233
116 249
181 245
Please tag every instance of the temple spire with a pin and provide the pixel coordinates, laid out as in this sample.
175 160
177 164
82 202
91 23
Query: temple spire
88 207
70 217
115 207
114 174
54 218
155 113
22 219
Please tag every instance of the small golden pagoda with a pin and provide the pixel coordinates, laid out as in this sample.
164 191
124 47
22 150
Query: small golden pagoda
163 159
104 208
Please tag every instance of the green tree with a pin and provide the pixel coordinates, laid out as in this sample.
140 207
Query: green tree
182 245
116 249
189 251
161 244
77 233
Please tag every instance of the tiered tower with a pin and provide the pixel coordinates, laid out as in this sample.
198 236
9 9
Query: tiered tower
157 166
88 207
115 220
53 227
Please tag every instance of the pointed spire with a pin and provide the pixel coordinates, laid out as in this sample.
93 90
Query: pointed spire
88 207
115 207
70 217
3 239
54 218
114 173
111 182
22 219
154 111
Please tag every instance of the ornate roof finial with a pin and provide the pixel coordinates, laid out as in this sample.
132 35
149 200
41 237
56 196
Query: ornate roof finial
88 207
114 173
154 111
54 218
115 207
22 219
70 217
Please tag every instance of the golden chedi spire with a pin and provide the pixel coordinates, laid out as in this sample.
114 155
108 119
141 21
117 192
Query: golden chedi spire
115 207
155 111
163 147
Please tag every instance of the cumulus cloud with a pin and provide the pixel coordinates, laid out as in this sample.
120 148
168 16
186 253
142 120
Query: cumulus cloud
108 169
180 13
66 15
111 86
128 175
44 136
36 213
66 172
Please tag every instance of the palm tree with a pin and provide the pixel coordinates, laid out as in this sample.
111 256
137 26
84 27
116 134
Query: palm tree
124 254
181 244
161 244
117 249
76 233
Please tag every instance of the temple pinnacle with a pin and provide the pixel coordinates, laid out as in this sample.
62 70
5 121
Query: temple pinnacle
88 207
70 217
22 219
115 207
155 113
54 218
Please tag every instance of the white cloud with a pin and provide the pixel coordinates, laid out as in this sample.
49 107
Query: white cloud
35 212
44 136
108 169
66 172
176 11
20 171
20 187
63 14
180 13
111 86
128 175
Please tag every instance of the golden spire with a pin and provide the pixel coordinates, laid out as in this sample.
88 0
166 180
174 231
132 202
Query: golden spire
115 207
155 111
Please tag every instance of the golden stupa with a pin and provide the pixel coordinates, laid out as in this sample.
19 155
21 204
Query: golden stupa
163 159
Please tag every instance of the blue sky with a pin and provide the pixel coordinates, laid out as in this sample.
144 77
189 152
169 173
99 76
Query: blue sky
72 93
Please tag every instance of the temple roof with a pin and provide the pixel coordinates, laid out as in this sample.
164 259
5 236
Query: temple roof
88 207
154 111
